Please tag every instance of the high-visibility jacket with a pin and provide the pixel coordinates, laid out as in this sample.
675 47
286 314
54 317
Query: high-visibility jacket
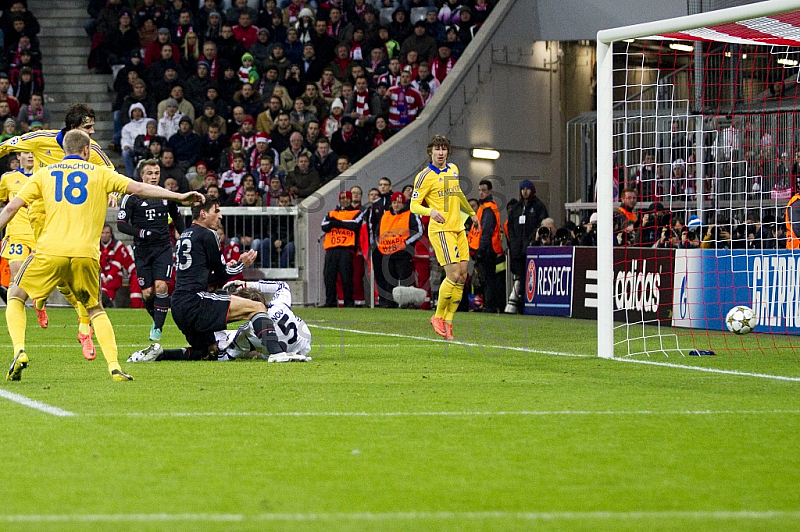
339 237
398 231
474 237
394 232
630 216
792 240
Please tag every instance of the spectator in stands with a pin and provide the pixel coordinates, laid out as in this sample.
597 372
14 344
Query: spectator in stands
424 76
324 160
289 156
348 140
185 144
433 26
5 114
141 144
261 48
265 120
420 41
168 59
190 51
300 116
293 84
281 239
406 102
329 87
198 177
232 177
341 227
161 88
267 170
5 85
377 64
26 85
465 28
342 63
209 118
380 133
310 65
169 123
274 191
209 180
443 63
314 102
392 74
226 157
260 149
364 104
9 129
311 136
197 87
332 124
247 183
229 49
248 132
33 111
646 178
481 9
147 33
249 100
149 9
139 94
154 150
281 133
244 31
121 41
153 53
136 126
276 27
170 169
303 180
185 107
626 219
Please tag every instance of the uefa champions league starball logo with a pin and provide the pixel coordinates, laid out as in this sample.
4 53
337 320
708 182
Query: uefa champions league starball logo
530 281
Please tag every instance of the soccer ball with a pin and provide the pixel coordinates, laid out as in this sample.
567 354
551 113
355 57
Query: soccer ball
741 320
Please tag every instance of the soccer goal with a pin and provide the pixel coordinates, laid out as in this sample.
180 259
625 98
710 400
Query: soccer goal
700 117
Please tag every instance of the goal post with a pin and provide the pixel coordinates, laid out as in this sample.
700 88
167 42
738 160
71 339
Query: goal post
705 35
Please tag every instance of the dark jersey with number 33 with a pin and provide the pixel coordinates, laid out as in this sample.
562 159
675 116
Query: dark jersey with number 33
200 261
147 219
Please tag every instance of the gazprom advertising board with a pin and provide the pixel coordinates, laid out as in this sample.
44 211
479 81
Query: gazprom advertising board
709 282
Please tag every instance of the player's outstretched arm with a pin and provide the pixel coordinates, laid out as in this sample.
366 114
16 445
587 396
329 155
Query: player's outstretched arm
152 191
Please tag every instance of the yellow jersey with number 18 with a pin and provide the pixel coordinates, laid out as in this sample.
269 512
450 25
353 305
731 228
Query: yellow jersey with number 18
441 190
75 194
47 148
19 228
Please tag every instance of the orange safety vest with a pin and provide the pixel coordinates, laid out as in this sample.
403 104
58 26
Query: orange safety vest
630 216
338 237
394 232
792 240
474 237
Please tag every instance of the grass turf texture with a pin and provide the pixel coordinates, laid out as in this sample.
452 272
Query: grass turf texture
401 432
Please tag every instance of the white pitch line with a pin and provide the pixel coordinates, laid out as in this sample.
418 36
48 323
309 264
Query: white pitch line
667 515
37 405
532 413
709 370
446 342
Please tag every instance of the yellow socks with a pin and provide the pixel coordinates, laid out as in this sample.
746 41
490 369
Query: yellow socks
16 321
83 316
445 295
455 300
40 303
106 338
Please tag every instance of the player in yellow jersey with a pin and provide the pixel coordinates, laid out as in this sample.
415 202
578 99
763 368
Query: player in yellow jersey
46 146
438 186
19 241
75 198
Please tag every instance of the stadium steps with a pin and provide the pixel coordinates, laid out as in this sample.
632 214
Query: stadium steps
65 49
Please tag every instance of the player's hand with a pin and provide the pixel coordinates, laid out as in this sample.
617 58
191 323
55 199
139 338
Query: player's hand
233 286
437 216
144 233
112 201
474 219
248 258
192 198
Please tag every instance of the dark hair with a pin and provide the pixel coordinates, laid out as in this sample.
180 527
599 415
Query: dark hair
486 182
207 205
77 114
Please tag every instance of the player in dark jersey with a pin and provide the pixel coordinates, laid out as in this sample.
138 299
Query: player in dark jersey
199 313
147 220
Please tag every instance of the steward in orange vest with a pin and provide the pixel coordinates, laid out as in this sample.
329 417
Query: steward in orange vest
485 240
399 231
342 226
793 223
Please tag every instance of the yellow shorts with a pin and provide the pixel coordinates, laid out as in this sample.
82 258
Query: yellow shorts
450 247
37 223
15 250
41 274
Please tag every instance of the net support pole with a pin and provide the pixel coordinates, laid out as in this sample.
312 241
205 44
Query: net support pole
605 199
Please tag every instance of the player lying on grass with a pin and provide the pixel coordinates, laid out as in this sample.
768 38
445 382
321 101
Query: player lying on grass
293 334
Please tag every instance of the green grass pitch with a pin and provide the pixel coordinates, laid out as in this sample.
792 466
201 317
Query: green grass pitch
519 427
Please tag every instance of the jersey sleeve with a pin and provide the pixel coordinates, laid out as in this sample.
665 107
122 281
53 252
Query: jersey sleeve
125 215
26 143
177 219
98 157
4 187
32 189
421 189
115 182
